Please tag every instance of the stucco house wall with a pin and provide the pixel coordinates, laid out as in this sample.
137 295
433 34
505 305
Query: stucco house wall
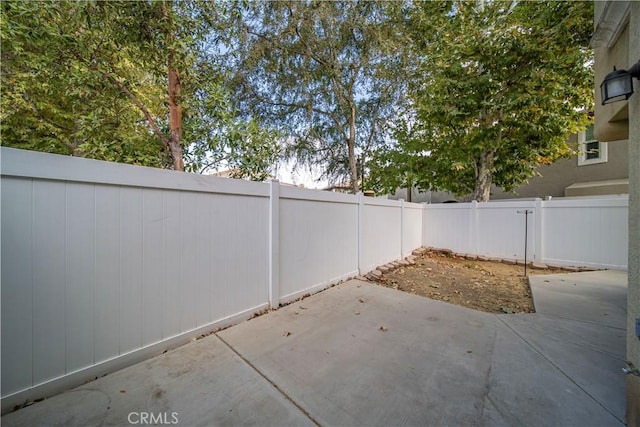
556 177
563 178
616 42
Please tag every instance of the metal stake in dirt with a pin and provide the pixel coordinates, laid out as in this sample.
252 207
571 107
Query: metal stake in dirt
526 213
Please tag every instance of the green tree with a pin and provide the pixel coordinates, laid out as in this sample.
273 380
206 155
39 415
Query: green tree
499 89
321 72
123 81
53 101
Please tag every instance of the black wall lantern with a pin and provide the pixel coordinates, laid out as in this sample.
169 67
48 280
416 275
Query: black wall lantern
618 84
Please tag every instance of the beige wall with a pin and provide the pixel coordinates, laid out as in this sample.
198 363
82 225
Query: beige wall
633 297
611 119
622 120
553 179
561 174
611 48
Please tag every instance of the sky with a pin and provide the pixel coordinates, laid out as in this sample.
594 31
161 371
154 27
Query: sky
288 174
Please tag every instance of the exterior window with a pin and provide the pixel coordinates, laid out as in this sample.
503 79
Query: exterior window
591 151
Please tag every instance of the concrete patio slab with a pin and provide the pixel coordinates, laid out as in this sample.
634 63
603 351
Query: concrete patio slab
403 360
435 364
576 350
525 388
199 384
362 354
594 296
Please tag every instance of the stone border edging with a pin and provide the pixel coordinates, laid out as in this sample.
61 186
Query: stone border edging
377 273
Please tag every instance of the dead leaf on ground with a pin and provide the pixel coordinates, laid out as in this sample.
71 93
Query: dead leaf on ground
383 329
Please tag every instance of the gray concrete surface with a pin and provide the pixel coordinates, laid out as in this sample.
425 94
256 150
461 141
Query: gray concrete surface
361 354
596 296
203 383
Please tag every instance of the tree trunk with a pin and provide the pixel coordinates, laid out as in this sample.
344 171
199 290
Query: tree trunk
175 117
484 175
353 168
175 110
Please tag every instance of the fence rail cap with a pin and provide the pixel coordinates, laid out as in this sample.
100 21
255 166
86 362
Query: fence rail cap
46 166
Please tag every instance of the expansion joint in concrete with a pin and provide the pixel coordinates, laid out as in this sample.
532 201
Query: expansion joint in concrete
259 372
561 371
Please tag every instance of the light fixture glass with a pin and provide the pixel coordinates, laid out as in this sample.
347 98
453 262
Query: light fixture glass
616 86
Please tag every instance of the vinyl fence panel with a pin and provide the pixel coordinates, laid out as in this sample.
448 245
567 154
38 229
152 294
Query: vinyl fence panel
589 232
106 264
107 274
49 280
450 226
381 234
93 271
17 284
80 286
318 240
500 228
411 227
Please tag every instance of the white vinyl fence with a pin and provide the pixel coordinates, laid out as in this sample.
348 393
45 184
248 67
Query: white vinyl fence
106 264
590 232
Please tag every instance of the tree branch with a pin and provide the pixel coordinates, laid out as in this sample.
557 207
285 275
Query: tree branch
329 114
26 97
140 106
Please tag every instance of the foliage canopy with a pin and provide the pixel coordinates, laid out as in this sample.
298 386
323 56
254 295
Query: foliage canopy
124 81
499 88
450 94
322 72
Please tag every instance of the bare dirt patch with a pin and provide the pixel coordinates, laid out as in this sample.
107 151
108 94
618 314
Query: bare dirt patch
488 286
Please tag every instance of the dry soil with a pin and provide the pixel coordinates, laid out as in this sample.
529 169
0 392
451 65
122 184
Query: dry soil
488 286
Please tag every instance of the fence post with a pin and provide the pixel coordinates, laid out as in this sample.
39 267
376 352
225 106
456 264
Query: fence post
538 255
401 228
274 244
473 228
360 196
